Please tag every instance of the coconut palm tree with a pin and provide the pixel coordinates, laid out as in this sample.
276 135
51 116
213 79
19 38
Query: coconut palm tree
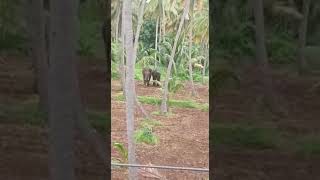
190 34
62 111
164 107
303 35
37 27
116 18
155 9
129 84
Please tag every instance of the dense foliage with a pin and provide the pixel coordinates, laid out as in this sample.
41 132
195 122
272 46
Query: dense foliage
235 29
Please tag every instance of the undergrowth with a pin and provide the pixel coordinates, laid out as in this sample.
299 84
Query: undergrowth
174 103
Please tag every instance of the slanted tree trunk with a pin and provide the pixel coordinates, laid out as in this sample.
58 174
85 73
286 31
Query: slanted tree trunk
135 49
302 36
116 31
160 30
140 22
61 91
130 86
262 59
164 106
193 90
37 32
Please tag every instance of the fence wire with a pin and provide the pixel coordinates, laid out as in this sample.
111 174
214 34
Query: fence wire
161 167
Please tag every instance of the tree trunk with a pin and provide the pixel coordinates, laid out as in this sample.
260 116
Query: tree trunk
302 36
117 26
61 91
134 55
130 86
140 22
37 27
156 43
206 63
122 62
164 107
261 56
47 37
163 26
193 90
47 29
160 30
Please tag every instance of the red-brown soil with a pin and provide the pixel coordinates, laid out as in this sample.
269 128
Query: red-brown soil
237 105
24 149
183 136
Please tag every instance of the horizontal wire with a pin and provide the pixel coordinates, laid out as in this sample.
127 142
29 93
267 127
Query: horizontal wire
162 167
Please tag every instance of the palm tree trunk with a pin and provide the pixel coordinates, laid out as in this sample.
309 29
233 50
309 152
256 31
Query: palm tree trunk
164 106
37 26
130 95
156 44
135 49
117 26
61 90
261 55
302 36
163 23
160 29
122 70
193 90
140 22
205 62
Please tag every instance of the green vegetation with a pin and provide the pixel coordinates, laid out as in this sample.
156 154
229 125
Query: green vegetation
309 145
99 121
114 72
28 114
145 135
14 34
174 103
150 123
145 132
281 27
123 152
242 135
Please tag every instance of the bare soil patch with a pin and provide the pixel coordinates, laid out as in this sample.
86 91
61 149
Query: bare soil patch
183 136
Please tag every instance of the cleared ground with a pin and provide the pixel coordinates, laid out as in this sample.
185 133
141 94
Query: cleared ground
183 135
